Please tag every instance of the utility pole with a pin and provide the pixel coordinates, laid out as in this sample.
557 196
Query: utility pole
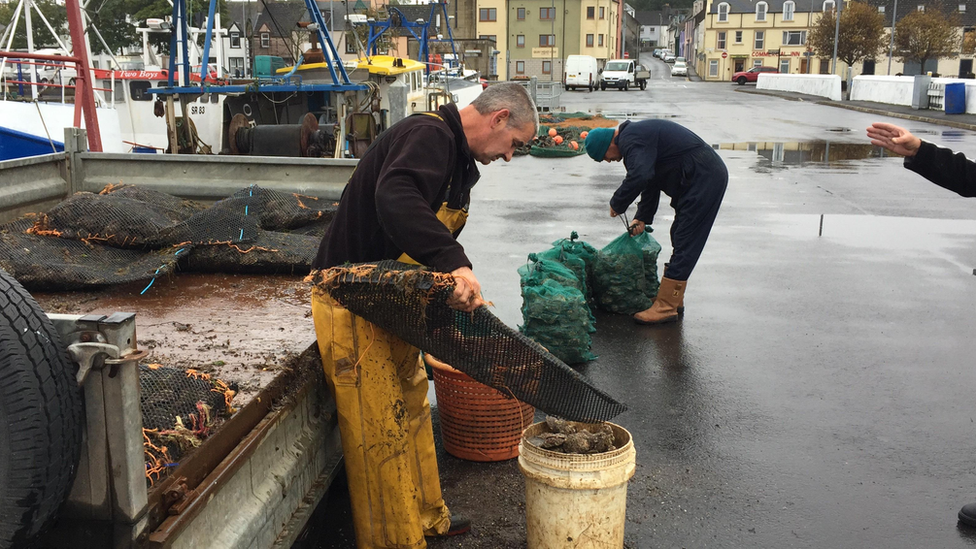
891 42
837 5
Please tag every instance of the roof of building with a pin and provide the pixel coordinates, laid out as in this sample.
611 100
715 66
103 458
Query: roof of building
652 18
967 17
281 17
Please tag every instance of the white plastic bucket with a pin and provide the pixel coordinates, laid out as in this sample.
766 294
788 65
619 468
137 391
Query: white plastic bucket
576 500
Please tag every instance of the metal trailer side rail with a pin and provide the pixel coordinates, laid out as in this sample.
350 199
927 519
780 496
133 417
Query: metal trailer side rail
36 183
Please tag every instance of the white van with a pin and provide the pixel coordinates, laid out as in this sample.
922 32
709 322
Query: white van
580 72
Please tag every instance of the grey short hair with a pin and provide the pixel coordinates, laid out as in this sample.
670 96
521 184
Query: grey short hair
513 97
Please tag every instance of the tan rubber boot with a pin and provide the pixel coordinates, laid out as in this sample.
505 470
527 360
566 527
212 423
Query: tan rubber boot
665 308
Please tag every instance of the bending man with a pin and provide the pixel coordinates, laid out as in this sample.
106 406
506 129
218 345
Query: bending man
661 156
407 200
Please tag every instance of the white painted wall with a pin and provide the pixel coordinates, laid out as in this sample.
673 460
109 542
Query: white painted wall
823 85
897 90
893 90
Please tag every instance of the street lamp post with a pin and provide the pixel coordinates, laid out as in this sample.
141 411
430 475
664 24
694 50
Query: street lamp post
837 8
891 42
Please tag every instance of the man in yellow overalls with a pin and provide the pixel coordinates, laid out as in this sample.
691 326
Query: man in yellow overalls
407 200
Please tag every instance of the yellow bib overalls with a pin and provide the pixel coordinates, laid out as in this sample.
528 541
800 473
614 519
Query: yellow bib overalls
380 388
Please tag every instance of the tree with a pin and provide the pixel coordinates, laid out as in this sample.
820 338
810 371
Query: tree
110 18
55 14
861 34
924 35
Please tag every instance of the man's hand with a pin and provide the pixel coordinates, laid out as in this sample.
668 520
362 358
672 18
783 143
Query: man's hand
467 291
636 227
894 138
613 213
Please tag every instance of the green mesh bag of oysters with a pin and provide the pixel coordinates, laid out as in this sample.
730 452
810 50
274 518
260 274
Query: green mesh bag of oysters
559 284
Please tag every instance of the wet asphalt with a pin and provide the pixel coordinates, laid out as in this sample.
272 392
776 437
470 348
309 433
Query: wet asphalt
819 391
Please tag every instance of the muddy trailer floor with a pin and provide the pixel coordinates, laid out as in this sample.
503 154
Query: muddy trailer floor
238 328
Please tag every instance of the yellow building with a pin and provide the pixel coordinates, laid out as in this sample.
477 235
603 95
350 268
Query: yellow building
598 29
741 34
493 24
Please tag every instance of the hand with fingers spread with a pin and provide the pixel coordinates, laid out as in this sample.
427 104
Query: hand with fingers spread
467 291
894 138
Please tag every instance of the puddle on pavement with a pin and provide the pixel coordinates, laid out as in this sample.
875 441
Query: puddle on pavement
800 153
634 115
886 234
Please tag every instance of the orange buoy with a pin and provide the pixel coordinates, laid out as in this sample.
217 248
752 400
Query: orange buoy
574 145
558 139
584 134
552 132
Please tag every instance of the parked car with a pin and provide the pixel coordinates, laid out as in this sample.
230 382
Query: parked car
680 68
657 52
680 60
581 72
752 74
668 57
622 74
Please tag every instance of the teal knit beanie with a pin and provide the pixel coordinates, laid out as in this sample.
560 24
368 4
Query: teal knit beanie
597 142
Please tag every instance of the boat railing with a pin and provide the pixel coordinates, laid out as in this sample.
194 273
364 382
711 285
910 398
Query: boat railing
20 71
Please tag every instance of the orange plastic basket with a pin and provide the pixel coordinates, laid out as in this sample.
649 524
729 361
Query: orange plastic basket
478 423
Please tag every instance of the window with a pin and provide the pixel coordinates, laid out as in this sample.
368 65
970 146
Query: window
921 7
547 40
492 37
784 66
520 41
590 12
547 67
603 13
488 14
738 37
589 40
235 40
794 38
350 42
962 8
881 9
788 8
761 9
760 40
520 67
119 95
237 66
520 14
756 63
599 41
828 5
547 14
723 13
713 67
720 43
139 90
265 39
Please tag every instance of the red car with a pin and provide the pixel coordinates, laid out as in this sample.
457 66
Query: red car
752 74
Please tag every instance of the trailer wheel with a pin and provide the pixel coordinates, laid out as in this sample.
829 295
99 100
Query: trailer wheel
40 417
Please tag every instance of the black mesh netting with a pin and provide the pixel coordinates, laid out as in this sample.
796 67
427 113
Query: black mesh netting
127 233
179 409
412 304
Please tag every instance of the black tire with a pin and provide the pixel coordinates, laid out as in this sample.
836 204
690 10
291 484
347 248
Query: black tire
626 86
603 87
741 80
643 85
40 417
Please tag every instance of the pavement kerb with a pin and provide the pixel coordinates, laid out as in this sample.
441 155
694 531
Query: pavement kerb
913 117
881 112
